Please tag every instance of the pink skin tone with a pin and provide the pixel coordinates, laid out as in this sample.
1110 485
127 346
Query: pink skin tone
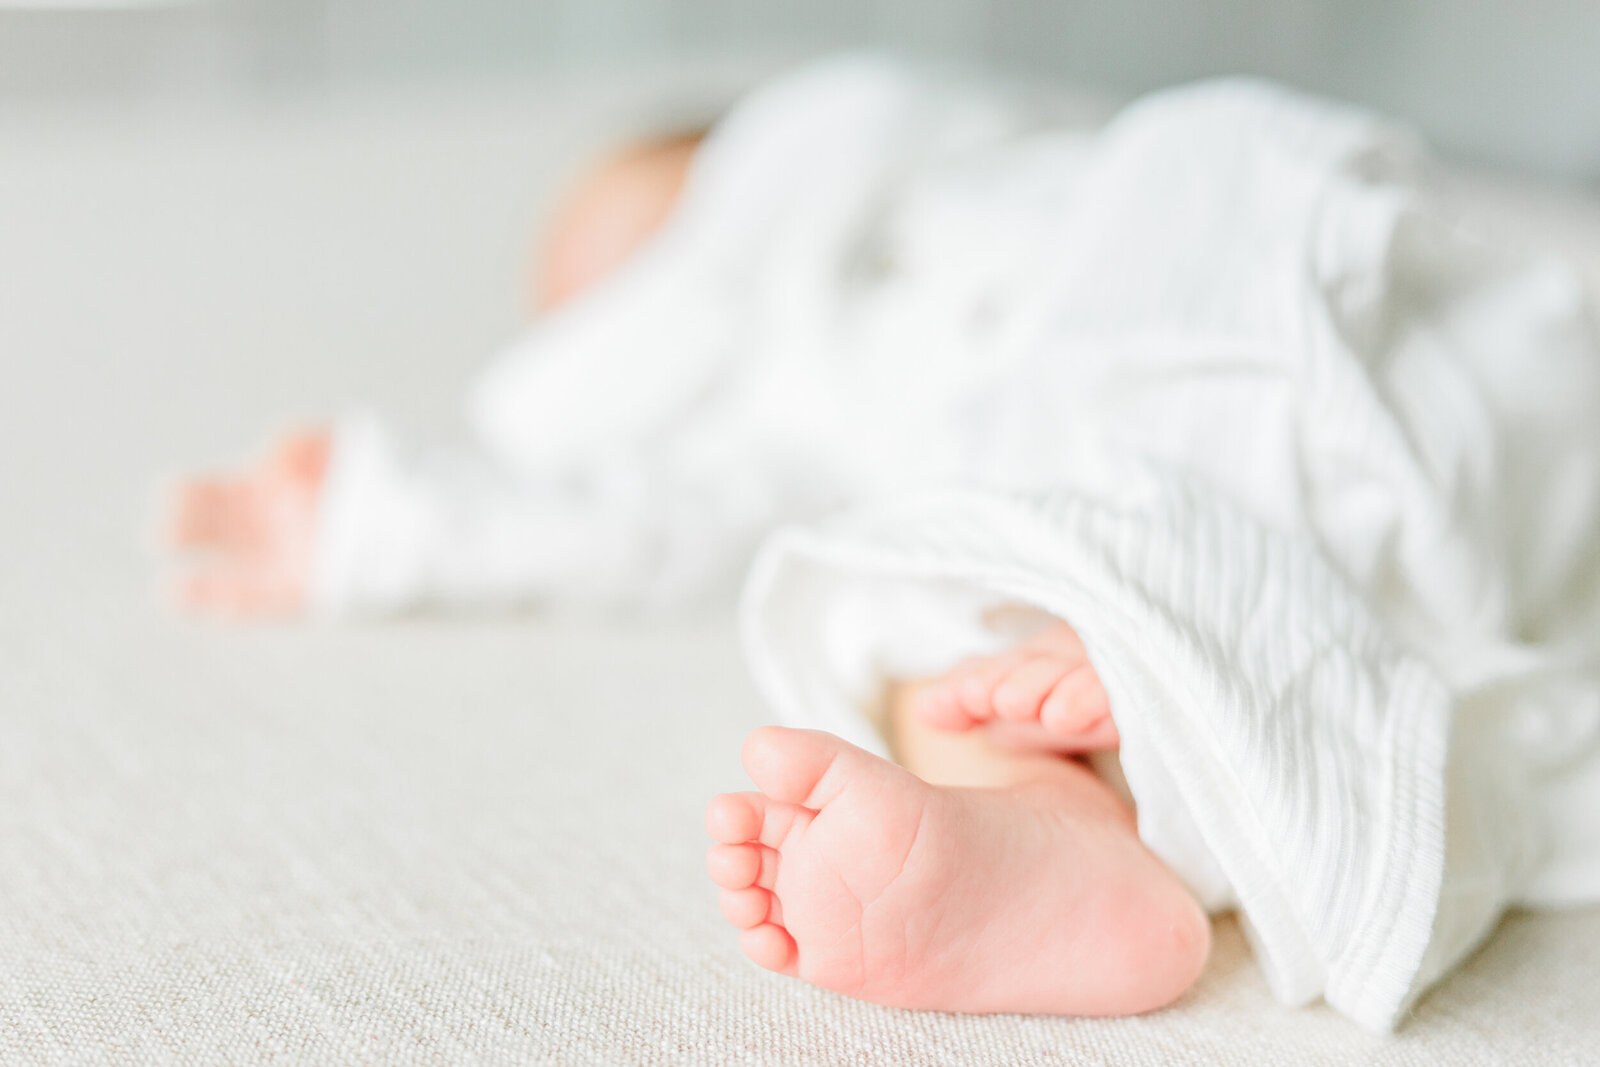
1043 694
248 533
985 873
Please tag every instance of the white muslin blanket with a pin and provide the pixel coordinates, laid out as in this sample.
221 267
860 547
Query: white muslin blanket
1313 469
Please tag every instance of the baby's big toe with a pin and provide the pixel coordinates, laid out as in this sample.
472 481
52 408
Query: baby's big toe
797 766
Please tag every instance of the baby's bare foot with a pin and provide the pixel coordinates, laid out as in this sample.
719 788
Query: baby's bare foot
248 534
1043 693
855 875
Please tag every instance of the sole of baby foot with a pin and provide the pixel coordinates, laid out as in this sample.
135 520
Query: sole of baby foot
852 874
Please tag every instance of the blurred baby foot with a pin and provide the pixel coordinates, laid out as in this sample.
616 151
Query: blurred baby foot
1042 694
248 534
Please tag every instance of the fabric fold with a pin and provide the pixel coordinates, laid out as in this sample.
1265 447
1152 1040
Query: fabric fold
1273 735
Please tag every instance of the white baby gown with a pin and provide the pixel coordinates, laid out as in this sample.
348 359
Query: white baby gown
1313 470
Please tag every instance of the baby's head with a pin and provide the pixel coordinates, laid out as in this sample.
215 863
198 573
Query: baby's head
610 213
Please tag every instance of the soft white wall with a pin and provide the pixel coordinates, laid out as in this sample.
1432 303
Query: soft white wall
1511 82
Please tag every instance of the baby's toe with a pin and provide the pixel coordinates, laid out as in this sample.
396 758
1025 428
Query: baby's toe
735 818
938 705
975 681
744 908
1076 703
733 866
800 767
1018 695
770 946
755 864
302 456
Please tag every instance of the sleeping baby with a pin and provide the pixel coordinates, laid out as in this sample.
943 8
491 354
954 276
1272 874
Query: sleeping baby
1190 515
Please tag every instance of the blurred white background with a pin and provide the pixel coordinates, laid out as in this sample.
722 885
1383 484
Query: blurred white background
1510 83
